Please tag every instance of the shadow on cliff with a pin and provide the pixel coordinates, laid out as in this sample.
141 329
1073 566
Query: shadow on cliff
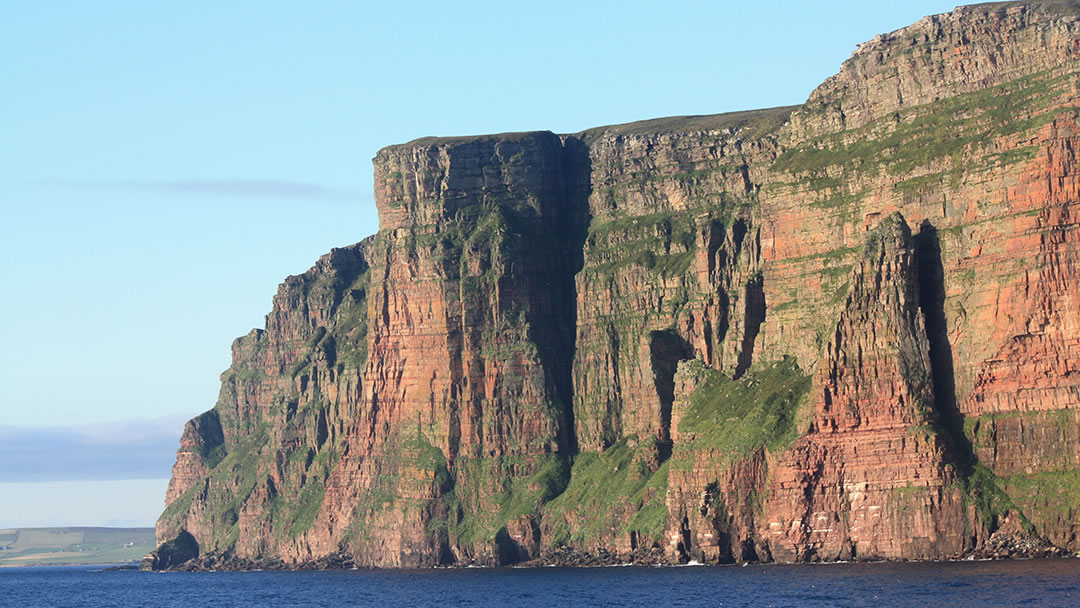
932 303
666 349
753 319
571 226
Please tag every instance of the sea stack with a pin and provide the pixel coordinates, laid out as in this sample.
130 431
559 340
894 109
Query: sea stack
844 330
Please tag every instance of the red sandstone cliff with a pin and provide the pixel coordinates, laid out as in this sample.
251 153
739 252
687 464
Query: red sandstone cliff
843 330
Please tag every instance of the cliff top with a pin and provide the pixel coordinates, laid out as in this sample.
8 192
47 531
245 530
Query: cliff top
437 141
1056 7
758 121
1048 8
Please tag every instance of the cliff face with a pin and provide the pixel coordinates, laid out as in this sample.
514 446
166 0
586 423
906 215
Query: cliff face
842 330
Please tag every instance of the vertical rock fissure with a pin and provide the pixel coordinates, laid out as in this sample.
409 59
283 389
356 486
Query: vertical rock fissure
572 225
931 278
426 409
754 316
666 350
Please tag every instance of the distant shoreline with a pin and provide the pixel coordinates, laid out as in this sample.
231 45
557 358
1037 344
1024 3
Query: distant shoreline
101 565
95 546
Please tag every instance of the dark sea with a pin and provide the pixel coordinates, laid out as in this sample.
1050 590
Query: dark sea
1004 583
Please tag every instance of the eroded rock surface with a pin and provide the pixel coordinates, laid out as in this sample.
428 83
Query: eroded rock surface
844 330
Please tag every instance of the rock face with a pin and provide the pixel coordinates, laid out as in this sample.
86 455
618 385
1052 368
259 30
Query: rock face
844 330
872 475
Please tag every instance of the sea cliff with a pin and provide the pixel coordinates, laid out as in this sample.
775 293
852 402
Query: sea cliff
843 330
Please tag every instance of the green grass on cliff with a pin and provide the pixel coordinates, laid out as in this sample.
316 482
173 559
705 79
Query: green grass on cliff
981 430
983 489
530 494
650 520
479 506
297 516
1048 498
350 331
410 465
610 493
227 488
942 134
706 187
662 243
737 417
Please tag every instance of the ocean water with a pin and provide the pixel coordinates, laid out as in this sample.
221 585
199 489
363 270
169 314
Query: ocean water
1005 583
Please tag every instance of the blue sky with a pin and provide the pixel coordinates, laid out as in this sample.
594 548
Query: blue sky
164 166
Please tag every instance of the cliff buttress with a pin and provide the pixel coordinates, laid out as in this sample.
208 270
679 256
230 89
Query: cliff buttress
844 330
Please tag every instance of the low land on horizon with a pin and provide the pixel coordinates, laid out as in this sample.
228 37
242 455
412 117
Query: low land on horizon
73 546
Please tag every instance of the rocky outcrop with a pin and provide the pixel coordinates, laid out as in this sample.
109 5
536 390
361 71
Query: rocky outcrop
671 265
172 554
844 330
874 476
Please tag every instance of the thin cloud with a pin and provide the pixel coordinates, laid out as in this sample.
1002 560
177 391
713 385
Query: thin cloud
248 188
129 449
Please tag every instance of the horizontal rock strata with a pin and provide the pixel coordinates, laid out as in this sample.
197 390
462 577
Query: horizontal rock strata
843 330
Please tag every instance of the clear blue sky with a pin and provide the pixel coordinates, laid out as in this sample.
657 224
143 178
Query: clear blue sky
164 165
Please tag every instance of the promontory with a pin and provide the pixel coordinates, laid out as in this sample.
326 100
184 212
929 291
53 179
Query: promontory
844 330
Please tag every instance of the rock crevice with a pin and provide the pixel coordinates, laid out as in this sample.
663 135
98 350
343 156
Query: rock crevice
712 337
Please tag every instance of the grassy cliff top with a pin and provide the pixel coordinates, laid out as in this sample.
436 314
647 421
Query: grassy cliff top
437 141
757 122
1055 7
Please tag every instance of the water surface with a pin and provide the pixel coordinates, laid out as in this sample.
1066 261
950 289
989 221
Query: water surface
1004 583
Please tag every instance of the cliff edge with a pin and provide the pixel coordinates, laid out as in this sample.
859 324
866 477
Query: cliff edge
843 330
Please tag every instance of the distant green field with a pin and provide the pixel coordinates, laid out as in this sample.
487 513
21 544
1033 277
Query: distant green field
55 546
